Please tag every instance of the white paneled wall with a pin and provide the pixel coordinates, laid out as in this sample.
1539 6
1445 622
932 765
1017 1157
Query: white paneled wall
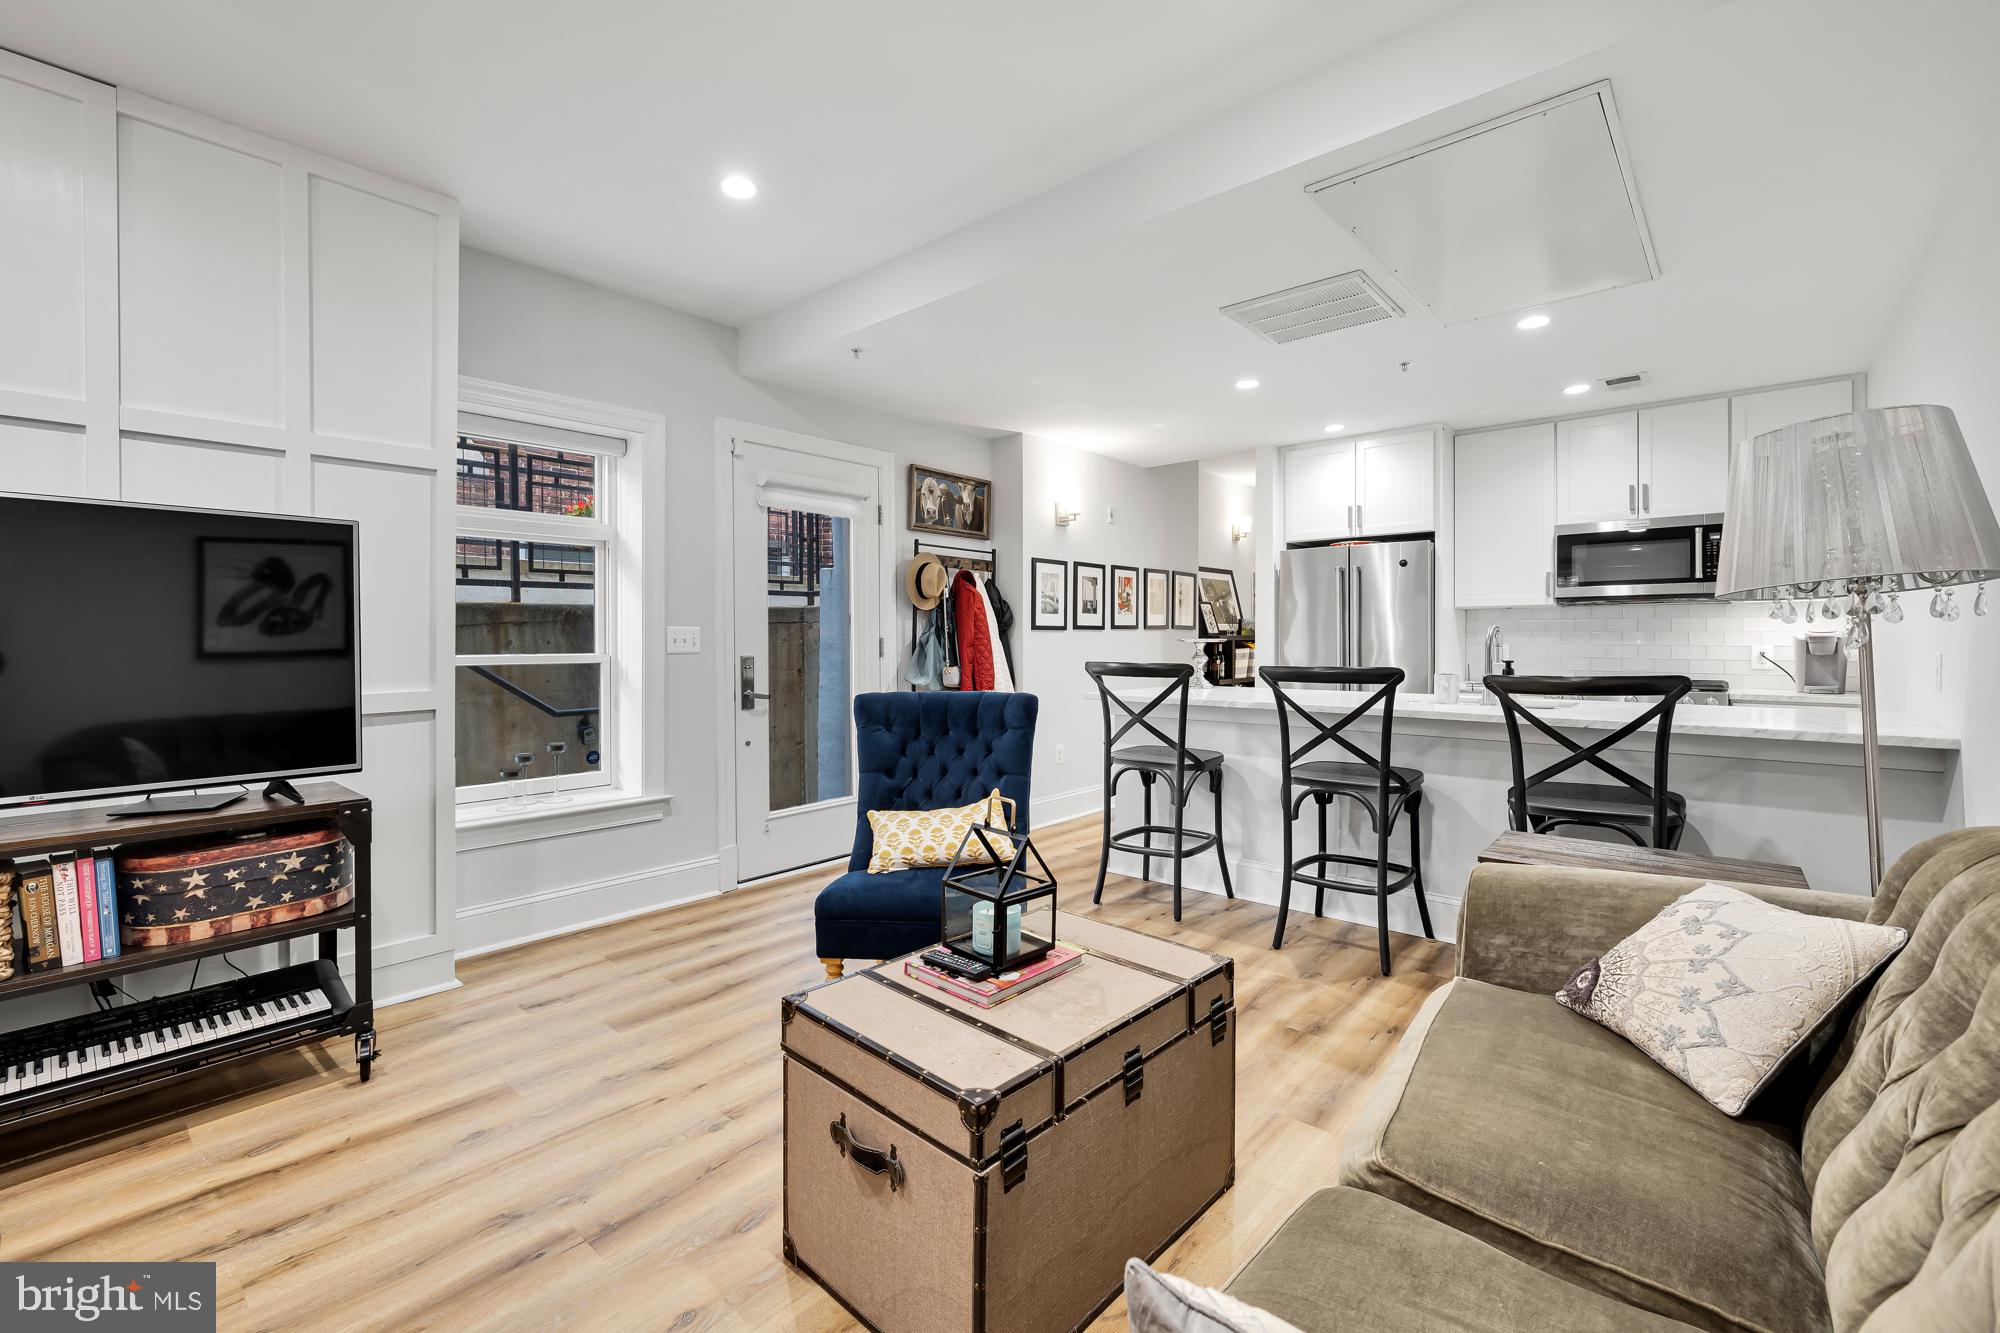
197 315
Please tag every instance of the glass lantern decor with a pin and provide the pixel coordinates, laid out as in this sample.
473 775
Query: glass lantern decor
998 900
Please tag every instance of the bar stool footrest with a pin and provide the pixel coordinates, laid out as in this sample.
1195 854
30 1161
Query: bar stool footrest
1401 876
1193 842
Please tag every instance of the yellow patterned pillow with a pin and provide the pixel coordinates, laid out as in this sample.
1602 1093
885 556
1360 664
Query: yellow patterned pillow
907 839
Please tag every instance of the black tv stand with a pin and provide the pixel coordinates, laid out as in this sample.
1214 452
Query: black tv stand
181 803
280 787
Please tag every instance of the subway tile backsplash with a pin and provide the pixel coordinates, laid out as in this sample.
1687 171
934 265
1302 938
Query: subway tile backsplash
1707 640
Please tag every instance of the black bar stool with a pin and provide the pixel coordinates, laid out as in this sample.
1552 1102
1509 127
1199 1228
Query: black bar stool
1379 788
1647 813
1171 761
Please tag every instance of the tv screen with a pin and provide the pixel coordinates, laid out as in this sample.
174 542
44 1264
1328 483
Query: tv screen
144 648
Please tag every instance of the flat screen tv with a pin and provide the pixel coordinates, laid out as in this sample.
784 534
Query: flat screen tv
147 649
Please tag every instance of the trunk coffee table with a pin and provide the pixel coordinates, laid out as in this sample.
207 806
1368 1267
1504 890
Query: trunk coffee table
975 1170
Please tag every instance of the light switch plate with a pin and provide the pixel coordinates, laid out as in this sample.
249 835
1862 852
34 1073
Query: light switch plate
683 638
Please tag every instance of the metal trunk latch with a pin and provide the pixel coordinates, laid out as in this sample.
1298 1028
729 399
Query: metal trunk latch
1135 1074
1218 1020
1013 1156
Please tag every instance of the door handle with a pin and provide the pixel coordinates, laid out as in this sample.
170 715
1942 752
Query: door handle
746 679
1646 496
1549 586
1357 518
1632 497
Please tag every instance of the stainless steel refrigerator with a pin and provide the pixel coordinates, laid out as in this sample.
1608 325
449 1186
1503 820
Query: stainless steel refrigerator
1359 604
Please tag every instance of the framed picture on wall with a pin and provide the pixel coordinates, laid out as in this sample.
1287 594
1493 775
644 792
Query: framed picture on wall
1156 598
1184 599
1086 603
950 504
1221 613
1051 593
1124 597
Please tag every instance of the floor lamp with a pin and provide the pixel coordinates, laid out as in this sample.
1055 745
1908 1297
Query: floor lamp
1843 514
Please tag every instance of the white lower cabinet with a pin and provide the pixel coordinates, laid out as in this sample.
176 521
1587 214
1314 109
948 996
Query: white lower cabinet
1503 510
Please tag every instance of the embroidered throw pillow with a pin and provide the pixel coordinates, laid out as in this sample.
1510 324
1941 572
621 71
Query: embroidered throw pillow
1158 1302
1722 989
907 839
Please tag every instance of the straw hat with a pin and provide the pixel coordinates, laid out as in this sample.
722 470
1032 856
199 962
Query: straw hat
924 581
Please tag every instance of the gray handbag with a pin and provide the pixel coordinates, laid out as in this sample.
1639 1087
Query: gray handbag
926 658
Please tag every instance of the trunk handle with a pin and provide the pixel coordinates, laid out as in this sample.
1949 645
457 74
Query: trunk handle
875 1161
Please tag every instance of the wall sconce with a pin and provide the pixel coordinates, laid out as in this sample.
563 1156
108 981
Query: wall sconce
1240 529
1068 511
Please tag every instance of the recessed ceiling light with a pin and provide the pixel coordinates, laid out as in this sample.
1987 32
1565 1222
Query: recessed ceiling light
1533 322
1577 388
1334 428
1246 384
739 187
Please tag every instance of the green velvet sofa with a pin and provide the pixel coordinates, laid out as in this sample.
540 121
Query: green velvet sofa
1521 1168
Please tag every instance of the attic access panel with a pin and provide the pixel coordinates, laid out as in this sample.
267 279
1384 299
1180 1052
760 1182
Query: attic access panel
1531 208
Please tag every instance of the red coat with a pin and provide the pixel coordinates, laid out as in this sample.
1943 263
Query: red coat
975 644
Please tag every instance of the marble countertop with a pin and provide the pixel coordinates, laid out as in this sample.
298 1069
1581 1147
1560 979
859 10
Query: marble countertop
1784 722
1793 699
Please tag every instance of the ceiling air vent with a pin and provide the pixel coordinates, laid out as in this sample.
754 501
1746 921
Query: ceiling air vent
1637 380
1326 306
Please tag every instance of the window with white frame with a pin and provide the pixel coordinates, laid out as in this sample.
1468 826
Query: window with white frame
535 587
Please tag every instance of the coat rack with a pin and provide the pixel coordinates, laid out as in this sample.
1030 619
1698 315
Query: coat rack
983 561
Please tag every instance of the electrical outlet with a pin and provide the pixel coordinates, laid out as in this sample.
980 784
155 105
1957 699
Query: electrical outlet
683 638
1759 662
1059 757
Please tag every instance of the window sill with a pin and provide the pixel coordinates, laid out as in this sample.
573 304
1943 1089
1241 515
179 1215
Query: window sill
495 824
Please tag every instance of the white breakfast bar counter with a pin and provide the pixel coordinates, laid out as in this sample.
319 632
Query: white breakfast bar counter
1770 783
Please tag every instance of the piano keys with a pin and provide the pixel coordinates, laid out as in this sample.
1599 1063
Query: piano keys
132 1041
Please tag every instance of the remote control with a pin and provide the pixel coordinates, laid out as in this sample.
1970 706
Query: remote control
944 960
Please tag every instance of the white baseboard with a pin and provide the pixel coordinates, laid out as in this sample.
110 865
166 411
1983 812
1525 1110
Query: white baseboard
506 922
1260 881
1064 805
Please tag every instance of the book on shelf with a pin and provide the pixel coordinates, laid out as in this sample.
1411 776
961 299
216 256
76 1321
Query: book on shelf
1059 959
38 915
107 903
69 923
86 907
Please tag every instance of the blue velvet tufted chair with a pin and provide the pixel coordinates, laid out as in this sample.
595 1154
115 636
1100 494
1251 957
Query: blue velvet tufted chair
924 751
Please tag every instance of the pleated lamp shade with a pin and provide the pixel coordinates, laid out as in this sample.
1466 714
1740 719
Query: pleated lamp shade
1888 494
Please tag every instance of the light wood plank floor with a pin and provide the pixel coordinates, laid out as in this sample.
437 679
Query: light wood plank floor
586 1135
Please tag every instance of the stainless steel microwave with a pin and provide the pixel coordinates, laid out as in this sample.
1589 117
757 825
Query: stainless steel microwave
1666 558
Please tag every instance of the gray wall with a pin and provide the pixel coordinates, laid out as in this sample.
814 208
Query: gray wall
529 327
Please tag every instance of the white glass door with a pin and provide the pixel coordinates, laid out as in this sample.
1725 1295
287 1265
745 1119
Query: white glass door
808 626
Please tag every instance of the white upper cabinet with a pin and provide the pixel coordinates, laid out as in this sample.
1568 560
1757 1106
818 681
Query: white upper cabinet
1361 488
1320 492
1396 482
1597 468
1684 458
1503 516
1754 413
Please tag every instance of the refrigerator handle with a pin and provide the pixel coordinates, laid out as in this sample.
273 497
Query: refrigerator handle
1344 610
1355 660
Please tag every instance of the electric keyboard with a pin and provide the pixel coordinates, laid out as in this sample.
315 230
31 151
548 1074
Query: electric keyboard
168 1034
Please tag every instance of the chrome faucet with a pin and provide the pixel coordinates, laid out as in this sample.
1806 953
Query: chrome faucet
1492 643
